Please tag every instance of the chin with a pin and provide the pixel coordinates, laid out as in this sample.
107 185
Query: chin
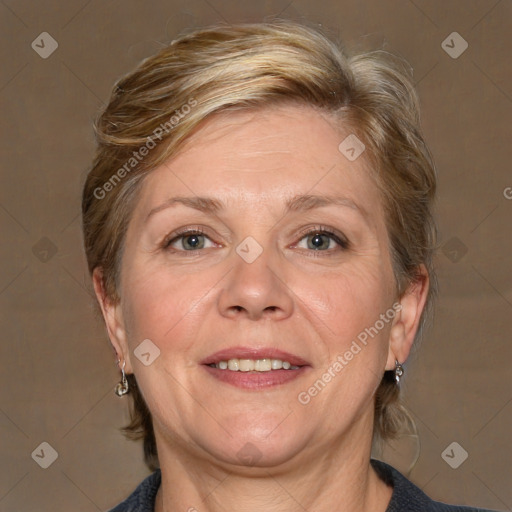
257 444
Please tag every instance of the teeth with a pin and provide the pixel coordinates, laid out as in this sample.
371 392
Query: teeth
232 365
277 364
263 365
246 365
257 365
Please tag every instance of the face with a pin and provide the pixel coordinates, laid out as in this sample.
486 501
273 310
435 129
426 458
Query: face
263 249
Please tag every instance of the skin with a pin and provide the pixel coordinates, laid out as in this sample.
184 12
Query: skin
312 303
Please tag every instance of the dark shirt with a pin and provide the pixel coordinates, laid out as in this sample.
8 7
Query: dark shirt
406 496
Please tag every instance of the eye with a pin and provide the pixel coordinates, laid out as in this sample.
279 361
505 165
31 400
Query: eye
190 241
321 241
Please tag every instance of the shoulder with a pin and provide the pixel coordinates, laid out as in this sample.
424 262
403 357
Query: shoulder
143 497
407 497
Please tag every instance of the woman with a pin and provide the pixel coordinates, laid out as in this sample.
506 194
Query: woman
259 231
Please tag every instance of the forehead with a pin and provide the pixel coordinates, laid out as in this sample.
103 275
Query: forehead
264 156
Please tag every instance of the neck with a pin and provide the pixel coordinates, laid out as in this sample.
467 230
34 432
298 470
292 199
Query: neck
320 478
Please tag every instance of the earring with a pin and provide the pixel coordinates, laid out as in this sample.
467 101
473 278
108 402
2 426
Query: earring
122 387
399 371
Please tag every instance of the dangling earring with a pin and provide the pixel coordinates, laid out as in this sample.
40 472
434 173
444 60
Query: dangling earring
399 371
122 387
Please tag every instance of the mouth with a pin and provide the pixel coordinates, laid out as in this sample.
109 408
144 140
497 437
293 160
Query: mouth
255 368
256 365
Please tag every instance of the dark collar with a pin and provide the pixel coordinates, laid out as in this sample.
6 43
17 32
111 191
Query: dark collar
406 496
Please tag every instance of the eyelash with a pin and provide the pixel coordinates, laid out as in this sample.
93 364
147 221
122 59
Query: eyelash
340 240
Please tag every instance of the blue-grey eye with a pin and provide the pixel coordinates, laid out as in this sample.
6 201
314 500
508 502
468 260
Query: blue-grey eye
319 241
190 242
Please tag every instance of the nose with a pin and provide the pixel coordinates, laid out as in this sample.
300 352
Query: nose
255 290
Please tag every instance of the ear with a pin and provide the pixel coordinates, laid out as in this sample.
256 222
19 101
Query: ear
407 320
113 316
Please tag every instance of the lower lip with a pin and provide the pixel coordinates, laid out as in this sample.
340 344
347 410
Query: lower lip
256 380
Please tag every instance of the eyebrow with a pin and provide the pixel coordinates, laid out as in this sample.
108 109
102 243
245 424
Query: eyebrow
309 202
298 203
203 204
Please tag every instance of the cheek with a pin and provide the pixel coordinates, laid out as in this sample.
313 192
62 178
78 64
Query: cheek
346 307
348 301
162 305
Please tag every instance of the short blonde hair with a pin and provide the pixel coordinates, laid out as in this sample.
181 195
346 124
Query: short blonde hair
252 66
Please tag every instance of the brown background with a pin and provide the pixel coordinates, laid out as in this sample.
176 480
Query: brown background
57 370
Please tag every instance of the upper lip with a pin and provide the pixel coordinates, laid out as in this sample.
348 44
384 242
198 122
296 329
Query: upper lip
254 353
